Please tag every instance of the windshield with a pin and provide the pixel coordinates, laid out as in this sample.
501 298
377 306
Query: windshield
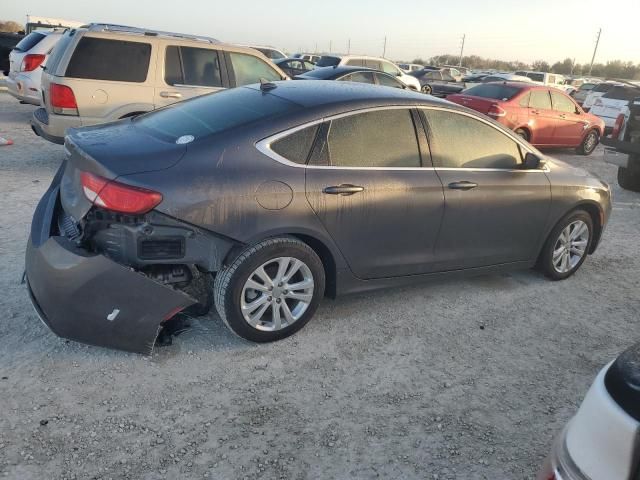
536 77
213 113
493 90
328 61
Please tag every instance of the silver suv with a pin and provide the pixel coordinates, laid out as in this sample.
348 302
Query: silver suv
102 73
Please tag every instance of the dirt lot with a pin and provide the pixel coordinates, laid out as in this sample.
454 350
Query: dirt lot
460 379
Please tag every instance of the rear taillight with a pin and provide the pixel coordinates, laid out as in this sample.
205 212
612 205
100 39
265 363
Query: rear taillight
63 101
118 197
496 111
31 62
617 127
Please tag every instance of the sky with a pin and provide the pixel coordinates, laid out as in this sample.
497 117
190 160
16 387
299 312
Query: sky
501 29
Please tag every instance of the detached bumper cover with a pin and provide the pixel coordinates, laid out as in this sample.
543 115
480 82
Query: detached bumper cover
87 297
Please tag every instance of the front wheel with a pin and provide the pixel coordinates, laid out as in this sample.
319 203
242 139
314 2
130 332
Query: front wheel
271 290
427 89
589 143
523 134
566 248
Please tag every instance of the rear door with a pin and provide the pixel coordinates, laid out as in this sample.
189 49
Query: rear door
366 183
542 117
495 211
570 126
187 72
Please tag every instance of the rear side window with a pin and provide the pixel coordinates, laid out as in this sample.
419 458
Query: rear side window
114 60
30 41
192 66
375 64
385 138
562 104
249 69
355 62
296 147
213 113
540 99
459 141
58 51
493 90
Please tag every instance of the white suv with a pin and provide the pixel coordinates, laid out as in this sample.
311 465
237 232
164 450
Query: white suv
375 63
102 73
25 62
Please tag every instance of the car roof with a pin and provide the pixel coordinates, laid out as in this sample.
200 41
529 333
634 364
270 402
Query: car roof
324 93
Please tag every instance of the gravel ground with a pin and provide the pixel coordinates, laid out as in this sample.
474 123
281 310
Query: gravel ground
456 380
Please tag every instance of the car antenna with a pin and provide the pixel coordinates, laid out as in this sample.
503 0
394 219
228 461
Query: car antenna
266 85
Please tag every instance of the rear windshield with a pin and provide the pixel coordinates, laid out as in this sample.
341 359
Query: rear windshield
603 87
493 90
536 77
622 93
214 113
30 41
115 60
58 51
327 61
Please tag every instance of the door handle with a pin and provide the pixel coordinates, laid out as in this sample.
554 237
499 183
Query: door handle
170 95
464 185
535 112
344 189
562 115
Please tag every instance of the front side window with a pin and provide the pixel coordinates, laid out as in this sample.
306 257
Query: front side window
374 64
540 99
115 60
296 147
384 138
361 77
354 62
192 66
562 104
389 81
249 69
460 141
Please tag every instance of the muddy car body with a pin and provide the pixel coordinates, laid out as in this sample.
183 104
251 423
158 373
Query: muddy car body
249 183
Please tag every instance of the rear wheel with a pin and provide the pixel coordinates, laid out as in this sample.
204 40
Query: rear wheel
522 133
589 143
427 89
271 290
566 248
628 179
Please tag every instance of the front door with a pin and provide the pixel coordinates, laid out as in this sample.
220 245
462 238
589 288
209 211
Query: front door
366 183
188 72
542 117
570 127
494 210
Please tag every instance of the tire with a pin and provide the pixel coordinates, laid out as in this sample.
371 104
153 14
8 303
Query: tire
522 133
557 270
232 289
629 180
589 143
427 89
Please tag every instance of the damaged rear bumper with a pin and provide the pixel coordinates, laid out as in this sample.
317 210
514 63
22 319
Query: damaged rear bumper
89 298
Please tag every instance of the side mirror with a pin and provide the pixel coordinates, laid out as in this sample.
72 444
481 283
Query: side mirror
531 162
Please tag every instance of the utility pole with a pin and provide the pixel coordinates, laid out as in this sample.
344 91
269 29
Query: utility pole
384 49
316 50
462 49
594 51
330 49
573 65
349 47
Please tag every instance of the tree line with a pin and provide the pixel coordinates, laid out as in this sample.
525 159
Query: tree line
611 69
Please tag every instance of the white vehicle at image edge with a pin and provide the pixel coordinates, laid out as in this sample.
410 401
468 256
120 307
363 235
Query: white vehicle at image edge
614 103
376 63
597 92
25 64
602 441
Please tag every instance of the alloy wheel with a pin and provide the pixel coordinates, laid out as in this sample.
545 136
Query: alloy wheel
277 294
590 142
570 246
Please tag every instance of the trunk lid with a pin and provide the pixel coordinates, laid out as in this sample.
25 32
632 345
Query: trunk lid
111 151
478 104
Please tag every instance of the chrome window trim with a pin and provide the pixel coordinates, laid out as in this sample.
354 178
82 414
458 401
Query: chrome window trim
264 145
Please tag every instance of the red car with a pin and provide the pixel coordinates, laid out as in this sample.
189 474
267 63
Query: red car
543 116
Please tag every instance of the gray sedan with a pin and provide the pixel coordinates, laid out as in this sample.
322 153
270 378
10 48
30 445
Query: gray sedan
278 194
